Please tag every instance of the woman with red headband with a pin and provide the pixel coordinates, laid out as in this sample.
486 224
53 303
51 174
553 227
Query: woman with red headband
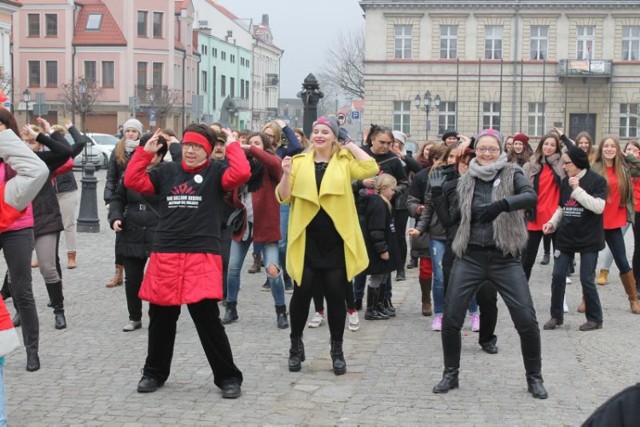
185 266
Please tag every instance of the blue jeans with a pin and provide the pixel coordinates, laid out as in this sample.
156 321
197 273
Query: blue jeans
615 242
238 253
561 265
437 248
284 229
3 414
607 256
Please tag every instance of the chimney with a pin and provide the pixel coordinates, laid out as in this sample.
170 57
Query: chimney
265 20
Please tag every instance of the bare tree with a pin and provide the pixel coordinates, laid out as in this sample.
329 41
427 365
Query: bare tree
80 96
163 101
343 70
5 82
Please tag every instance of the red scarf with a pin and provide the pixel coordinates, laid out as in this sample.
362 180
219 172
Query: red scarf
194 169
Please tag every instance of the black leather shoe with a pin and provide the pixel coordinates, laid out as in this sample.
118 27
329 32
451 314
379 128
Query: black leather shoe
536 389
448 382
33 362
61 322
553 323
400 275
148 384
545 259
590 326
490 348
231 389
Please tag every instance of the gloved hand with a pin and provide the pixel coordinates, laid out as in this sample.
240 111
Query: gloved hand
489 212
438 177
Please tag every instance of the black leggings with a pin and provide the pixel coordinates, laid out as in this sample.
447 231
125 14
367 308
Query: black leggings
134 273
400 219
531 251
334 286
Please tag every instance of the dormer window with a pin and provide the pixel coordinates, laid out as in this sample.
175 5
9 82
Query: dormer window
93 21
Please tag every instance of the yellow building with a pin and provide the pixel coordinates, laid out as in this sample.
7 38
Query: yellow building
515 66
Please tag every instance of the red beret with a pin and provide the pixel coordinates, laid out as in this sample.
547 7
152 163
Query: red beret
522 138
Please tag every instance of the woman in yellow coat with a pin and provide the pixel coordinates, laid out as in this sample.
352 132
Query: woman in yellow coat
326 248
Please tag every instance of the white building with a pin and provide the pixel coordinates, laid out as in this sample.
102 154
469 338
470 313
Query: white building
266 74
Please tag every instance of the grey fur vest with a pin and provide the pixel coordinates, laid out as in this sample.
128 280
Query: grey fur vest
509 229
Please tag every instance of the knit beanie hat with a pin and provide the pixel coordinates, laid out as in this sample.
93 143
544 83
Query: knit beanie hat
133 124
493 134
449 134
331 122
522 138
578 157
400 136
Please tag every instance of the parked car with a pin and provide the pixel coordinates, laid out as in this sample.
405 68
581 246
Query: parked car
93 152
106 142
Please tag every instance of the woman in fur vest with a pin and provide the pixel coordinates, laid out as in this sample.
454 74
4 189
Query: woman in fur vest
490 239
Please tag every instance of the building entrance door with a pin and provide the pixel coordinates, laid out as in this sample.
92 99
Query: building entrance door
582 122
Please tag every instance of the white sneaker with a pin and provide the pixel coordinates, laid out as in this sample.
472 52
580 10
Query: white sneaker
316 321
565 307
132 326
354 321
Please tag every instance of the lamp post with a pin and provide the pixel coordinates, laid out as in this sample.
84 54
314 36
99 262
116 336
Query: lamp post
425 103
88 220
26 97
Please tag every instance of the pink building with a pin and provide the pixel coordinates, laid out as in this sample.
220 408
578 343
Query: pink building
123 49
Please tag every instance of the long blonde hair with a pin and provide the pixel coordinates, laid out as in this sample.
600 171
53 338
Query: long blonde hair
277 133
619 167
382 181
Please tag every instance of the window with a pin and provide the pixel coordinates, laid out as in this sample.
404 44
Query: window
223 86
142 74
34 73
51 68
402 116
242 61
491 115
246 89
33 25
214 76
157 24
242 88
142 23
232 59
247 62
492 42
203 81
214 52
402 41
446 117
536 118
629 120
448 41
157 74
539 42
585 42
94 20
223 56
108 74
631 43
232 87
51 24
90 71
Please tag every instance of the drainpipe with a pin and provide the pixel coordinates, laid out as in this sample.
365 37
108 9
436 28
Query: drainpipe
516 28
184 89
73 60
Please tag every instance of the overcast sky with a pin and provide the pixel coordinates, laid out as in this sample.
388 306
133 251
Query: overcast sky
305 30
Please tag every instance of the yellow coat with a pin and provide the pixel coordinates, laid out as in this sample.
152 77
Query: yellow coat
336 198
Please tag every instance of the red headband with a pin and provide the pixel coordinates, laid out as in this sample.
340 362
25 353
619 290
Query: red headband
196 138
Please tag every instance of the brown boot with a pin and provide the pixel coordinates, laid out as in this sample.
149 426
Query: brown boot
603 277
71 260
257 260
425 288
34 263
629 283
117 278
582 308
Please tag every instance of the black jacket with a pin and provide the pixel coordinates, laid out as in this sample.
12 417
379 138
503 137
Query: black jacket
139 216
388 163
115 172
67 181
379 235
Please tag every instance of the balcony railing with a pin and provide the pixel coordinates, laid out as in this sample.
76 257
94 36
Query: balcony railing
147 94
242 104
585 67
272 80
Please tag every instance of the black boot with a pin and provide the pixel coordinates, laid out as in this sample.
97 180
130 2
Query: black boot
448 382
281 313
372 312
57 302
535 387
230 313
337 357
33 361
384 305
296 354
400 275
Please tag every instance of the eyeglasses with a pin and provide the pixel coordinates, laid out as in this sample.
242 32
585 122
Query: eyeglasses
492 150
194 147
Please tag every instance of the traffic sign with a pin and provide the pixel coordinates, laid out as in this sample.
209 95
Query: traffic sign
355 115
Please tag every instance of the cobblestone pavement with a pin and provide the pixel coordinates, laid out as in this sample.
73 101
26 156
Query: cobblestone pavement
90 370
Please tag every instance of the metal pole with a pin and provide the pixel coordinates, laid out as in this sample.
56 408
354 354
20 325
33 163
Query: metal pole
478 127
610 97
544 80
457 91
426 128
501 72
521 92
566 91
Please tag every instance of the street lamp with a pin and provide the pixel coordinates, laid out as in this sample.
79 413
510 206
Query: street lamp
426 101
88 220
26 97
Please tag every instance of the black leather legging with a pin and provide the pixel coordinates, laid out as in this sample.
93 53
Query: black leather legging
469 272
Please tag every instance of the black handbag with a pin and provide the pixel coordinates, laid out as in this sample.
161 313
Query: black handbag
234 223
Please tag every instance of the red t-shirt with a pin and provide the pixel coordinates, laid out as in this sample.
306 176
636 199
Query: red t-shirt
615 216
548 199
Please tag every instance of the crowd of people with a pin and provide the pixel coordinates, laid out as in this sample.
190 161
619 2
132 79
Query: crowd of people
329 219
